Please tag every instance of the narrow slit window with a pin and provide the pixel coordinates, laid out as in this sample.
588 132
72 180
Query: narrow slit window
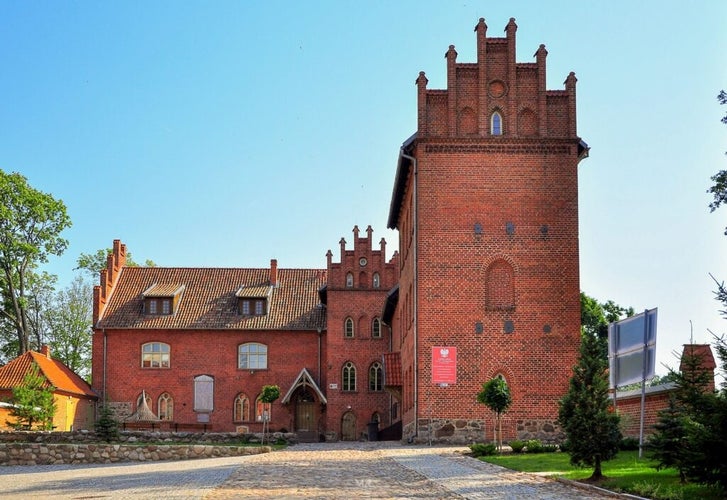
496 123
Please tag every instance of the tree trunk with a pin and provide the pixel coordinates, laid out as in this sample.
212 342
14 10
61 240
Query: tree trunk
597 469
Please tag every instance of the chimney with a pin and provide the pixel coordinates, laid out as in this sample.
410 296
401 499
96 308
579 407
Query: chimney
699 357
273 272
45 350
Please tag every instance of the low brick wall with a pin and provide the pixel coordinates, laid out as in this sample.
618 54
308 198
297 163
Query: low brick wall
86 453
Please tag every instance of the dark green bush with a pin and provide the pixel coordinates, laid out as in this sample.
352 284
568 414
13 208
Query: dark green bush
517 446
629 444
533 446
483 449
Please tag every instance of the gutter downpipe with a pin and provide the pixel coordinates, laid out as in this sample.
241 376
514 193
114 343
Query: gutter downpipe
104 362
416 281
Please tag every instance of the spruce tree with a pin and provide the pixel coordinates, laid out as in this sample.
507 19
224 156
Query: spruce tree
586 413
33 402
106 426
669 445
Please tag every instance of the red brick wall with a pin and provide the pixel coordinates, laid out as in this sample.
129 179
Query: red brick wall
205 352
521 191
630 410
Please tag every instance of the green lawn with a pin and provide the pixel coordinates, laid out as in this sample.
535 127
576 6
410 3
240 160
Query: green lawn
625 473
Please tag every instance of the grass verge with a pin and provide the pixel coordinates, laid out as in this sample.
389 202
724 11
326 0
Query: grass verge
625 473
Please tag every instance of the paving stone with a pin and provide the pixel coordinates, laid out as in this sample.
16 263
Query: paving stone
321 471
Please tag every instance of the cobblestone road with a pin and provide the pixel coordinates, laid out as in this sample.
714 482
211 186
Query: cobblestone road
331 470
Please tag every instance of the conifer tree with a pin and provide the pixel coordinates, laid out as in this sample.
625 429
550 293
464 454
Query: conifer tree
586 412
33 402
669 445
106 426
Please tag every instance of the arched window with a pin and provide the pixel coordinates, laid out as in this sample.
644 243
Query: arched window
155 355
377 280
252 356
376 377
263 411
349 280
496 123
165 405
241 409
348 328
376 328
375 417
349 377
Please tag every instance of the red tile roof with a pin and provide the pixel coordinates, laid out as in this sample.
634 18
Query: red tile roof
392 369
210 299
56 373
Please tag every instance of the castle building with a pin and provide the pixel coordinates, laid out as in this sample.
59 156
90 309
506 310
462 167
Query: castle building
484 284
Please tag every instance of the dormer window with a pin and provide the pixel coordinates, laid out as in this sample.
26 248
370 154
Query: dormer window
162 299
254 300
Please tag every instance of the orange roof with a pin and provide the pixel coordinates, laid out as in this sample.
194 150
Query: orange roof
392 369
210 299
56 373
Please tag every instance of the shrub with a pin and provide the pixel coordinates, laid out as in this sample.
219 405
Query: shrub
517 446
483 450
549 448
564 447
629 444
534 446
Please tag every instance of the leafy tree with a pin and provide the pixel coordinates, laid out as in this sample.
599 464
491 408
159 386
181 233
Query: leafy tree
586 413
94 263
719 189
268 395
69 322
495 394
596 316
33 402
30 226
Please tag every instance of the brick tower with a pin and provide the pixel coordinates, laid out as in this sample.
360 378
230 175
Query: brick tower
356 337
486 204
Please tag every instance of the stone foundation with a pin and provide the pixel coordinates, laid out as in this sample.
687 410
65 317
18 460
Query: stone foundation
461 431
548 431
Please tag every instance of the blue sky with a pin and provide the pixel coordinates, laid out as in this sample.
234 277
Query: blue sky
229 133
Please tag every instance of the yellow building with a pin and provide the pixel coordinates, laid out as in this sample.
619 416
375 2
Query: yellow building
74 398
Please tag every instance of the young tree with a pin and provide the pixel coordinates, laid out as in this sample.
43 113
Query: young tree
33 402
669 445
495 394
268 395
106 426
30 226
586 413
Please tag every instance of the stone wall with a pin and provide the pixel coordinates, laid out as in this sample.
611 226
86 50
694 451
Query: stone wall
88 453
83 447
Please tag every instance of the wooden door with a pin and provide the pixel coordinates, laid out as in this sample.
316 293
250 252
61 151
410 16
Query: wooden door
348 427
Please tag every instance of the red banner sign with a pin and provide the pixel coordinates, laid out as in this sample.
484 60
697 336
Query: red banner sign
444 365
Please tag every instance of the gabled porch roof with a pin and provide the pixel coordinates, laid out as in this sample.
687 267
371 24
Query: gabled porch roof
304 379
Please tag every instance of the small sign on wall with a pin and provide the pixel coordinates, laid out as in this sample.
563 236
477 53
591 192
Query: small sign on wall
333 386
444 365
